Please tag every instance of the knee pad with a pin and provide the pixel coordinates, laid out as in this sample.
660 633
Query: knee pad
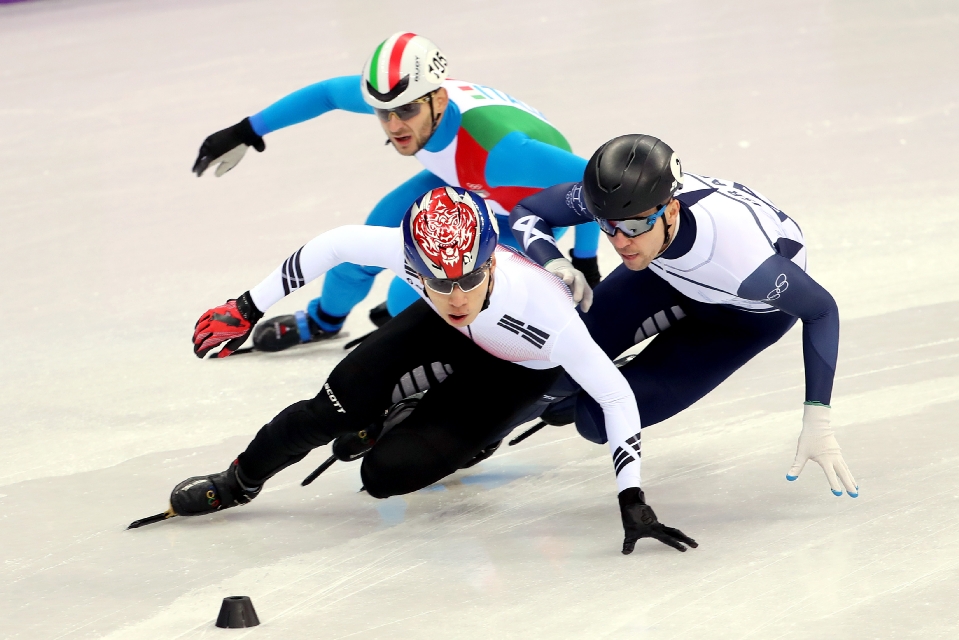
402 462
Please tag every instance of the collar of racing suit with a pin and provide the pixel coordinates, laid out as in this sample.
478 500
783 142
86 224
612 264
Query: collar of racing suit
684 240
446 130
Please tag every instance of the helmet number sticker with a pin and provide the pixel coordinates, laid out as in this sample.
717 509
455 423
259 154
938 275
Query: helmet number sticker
436 68
677 168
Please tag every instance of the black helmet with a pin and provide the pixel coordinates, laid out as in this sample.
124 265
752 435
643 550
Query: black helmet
629 175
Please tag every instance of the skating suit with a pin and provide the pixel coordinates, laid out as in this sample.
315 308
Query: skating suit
486 141
530 321
731 283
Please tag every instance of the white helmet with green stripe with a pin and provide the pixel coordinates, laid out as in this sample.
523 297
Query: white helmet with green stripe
403 68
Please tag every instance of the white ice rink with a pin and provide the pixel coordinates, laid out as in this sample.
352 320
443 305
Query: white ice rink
845 113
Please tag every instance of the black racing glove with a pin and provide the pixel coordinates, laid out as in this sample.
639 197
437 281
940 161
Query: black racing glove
639 521
589 267
225 148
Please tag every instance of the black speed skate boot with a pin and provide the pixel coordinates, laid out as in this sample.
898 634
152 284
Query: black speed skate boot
283 332
589 267
560 413
205 494
353 446
380 315
563 411
483 454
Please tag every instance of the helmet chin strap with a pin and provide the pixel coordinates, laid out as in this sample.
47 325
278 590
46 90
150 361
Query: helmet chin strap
667 240
489 292
435 118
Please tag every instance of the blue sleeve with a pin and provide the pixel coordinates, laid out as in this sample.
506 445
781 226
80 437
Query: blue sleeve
586 243
312 101
389 211
519 161
782 284
533 219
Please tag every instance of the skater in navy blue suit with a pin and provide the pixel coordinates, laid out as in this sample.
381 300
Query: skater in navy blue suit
711 269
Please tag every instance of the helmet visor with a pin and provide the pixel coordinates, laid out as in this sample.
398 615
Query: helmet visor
631 227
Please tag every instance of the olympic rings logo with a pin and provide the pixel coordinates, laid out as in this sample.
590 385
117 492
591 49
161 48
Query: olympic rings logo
212 499
781 285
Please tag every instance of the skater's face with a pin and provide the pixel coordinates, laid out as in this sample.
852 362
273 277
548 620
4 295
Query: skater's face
638 252
409 136
460 308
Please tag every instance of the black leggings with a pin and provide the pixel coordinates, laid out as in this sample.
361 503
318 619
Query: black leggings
473 397
695 345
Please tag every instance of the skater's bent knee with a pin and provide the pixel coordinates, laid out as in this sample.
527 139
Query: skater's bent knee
590 420
402 463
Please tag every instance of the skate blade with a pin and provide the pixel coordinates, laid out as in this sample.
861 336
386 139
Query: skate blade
341 335
527 433
320 469
169 513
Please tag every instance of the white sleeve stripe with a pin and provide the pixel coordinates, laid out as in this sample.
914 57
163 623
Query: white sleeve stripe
292 273
366 245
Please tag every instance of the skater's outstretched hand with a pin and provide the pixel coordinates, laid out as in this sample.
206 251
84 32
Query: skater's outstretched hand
639 521
817 442
226 148
233 320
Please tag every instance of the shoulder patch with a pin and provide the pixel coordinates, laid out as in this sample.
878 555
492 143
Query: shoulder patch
574 200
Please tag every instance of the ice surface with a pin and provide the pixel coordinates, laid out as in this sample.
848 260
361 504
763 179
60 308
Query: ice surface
843 113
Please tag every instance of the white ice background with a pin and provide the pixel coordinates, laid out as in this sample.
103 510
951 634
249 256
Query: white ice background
844 113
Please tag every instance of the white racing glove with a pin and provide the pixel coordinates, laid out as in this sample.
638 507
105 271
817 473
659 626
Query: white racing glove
817 442
574 279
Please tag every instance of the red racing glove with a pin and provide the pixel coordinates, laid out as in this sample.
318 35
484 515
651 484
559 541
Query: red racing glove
233 320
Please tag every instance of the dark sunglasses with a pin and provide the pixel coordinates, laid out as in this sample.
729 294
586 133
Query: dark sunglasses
405 111
631 227
467 283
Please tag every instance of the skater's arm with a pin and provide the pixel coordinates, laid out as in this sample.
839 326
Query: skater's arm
309 102
519 161
586 363
359 244
592 369
533 219
783 284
